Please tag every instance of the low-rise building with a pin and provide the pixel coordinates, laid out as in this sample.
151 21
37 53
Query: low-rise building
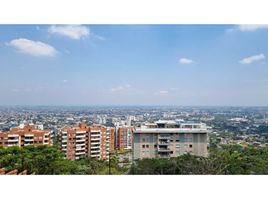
164 139
24 135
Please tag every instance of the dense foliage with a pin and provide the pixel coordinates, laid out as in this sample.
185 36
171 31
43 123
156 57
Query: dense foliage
50 160
226 160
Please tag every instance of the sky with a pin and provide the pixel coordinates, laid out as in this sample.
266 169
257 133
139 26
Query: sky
186 65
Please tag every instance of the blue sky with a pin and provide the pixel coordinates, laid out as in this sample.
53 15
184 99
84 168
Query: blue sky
209 65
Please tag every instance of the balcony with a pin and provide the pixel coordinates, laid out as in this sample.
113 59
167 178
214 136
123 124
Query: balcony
80 140
163 143
28 140
80 136
78 144
27 144
95 147
94 155
95 151
13 139
80 153
164 137
29 135
11 145
95 139
95 133
80 147
163 150
95 143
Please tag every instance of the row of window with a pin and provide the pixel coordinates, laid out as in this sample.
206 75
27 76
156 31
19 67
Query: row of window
145 146
177 146
152 139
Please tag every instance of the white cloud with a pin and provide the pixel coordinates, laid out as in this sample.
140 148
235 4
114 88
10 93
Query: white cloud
75 32
186 61
34 48
174 89
251 59
252 27
247 27
120 88
65 81
161 92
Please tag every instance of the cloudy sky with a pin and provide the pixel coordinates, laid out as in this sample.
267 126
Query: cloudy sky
134 65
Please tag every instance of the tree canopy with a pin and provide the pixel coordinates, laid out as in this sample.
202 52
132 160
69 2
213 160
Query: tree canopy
50 160
232 160
229 159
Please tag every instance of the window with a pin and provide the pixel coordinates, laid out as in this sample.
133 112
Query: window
155 146
188 139
143 139
190 145
147 146
143 146
171 152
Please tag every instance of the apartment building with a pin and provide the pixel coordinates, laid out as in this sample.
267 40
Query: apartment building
165 139
24 135
87 141
124 137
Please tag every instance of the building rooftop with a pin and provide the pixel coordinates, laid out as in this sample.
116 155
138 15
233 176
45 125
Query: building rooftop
172 126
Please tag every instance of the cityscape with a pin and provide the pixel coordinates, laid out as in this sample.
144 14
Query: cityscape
102 132
133 100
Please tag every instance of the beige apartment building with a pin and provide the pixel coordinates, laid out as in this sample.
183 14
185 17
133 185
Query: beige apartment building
87 141
165 139
24 135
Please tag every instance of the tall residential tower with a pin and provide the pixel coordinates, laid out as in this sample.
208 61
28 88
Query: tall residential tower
87 141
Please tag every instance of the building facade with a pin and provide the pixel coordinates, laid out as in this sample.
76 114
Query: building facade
24 135
87 141
124 137
165 139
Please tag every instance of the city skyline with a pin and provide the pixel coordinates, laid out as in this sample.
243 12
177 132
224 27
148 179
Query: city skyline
204 65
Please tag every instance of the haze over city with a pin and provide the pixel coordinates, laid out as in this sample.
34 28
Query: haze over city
206 65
